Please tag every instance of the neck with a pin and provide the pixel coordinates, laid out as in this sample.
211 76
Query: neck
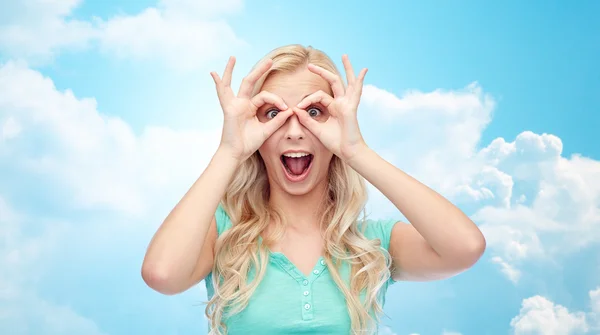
301 211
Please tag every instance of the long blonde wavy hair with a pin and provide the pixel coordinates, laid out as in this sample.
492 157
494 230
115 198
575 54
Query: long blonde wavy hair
246 201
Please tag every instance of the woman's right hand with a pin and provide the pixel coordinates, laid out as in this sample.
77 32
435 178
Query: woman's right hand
243 133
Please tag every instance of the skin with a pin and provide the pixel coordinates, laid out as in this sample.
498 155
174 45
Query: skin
440 241
295 198
302 243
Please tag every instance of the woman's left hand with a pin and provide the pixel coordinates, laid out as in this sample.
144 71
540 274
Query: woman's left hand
340 132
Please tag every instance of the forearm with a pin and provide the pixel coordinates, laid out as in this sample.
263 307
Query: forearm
174 250
448 231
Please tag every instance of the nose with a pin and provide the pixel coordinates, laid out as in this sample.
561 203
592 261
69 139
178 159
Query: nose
294 129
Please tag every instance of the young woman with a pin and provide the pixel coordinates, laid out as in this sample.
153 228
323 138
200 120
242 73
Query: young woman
274 226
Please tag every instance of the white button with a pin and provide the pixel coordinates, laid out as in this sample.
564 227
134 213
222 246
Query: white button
305 282
322 262
306 292
307 306
316 272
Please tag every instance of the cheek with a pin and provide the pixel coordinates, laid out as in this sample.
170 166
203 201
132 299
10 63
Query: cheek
326 157
268 151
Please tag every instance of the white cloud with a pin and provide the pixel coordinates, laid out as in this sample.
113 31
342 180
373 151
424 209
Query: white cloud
183 42
10 129
525 195
507 269
184 34
22 311
563 215
89 161
98 160
26 313
538 315
36 29
434 137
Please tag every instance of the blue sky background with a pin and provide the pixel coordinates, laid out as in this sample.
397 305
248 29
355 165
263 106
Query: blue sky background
108 114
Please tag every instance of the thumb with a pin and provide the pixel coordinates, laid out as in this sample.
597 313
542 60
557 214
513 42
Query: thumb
311 124
271 126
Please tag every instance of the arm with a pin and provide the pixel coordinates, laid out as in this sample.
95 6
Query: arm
441 240
181 252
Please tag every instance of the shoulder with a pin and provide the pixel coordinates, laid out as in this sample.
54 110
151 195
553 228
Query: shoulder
222 220
379 229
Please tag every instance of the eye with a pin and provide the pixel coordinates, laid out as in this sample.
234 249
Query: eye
271 113
313 111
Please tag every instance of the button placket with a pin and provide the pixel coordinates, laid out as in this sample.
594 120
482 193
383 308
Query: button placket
307 292
307 301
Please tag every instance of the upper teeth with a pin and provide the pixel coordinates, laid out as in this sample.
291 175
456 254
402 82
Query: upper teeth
296 154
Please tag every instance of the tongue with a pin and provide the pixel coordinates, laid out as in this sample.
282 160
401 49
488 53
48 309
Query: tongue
297 165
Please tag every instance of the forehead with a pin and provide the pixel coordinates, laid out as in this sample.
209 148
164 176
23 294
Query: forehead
293 87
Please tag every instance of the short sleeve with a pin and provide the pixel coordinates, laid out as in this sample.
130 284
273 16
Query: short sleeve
380 229
222 219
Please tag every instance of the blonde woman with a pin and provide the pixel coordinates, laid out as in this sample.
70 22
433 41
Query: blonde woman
274 225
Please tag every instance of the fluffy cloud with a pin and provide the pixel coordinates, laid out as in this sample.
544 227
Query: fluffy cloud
25 313
563 213
171 34
539 315
22 311
97 160
82 162
36 30
183 33
525 196
434 137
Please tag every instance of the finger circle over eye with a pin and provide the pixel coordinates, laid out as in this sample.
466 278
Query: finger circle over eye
266 97
317 97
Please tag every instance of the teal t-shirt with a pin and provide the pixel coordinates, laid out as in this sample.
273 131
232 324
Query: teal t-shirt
288 302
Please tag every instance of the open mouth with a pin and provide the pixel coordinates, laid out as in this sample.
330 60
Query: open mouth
296 165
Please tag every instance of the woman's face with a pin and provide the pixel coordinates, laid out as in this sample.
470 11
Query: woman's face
295 159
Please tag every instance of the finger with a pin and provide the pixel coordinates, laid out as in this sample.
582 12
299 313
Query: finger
266 97
215 78
317 97
311 124
228 72
334 81
358 86
248 83
349 70
218 85
362 74
275 123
